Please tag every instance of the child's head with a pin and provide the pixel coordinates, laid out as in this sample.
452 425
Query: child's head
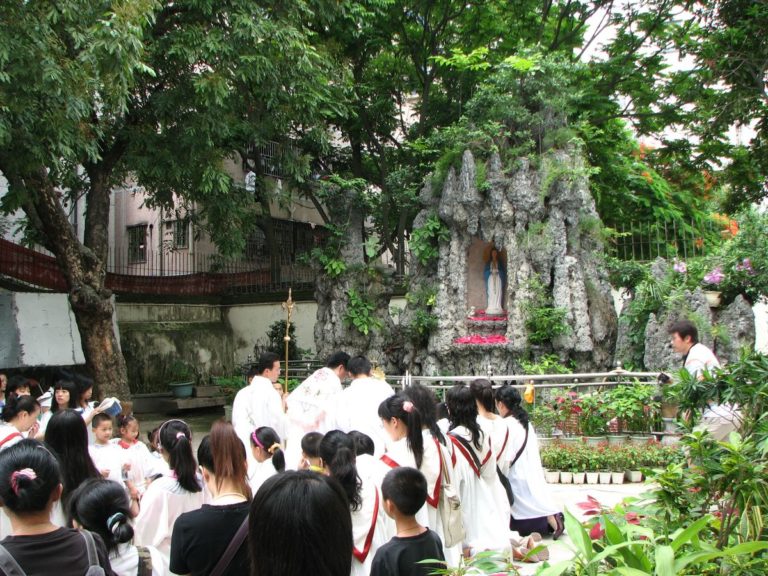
22 411
29 478
102 506
265 444
310 451
363 443
18 386
175 441
310 444
102 428
128 427
405 490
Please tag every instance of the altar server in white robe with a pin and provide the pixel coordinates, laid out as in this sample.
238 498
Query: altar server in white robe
310 402
259 404
486 523
534 509
358 405
371 527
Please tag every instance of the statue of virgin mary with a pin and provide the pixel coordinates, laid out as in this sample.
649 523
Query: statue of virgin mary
494 284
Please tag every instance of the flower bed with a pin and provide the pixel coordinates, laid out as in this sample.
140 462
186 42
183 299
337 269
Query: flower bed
491 339
580 457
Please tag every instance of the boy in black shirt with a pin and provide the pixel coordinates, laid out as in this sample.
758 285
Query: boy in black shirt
405 491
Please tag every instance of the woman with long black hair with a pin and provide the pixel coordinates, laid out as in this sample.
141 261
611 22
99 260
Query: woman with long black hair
533 509
370 525
171 495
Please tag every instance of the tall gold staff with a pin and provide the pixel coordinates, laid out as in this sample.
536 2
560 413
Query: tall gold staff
288 306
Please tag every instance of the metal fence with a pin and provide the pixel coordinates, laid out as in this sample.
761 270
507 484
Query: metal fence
666 239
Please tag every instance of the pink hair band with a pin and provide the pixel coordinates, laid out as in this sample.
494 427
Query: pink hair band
256 440
23 473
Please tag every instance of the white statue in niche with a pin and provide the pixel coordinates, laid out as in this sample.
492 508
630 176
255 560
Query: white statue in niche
494 284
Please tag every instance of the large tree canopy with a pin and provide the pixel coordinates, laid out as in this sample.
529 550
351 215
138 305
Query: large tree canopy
94 92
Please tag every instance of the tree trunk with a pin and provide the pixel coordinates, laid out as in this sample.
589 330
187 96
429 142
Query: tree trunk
85 273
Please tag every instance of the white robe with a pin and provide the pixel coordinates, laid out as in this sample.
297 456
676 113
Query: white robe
357 408
498 430
371 528
107 458
258 404
308 406
261 473
163 502
125 561
494 290
140 462
532 495
486 526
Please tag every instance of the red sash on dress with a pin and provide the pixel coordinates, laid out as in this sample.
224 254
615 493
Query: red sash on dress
10 436
362 555
389 462
469 457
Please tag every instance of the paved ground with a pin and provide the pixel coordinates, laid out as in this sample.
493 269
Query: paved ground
568 495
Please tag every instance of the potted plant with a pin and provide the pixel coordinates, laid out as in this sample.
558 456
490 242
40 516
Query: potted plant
617 465
632 405
711 283
552 461
578 464
593 419
181 379
606 461
670 397
593 463
544 419
568 409
569 461
632 457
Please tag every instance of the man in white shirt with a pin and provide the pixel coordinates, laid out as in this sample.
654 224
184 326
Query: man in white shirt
719 419
259 403
357 407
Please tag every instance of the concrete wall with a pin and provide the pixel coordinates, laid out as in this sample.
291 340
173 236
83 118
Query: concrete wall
38 330
250 322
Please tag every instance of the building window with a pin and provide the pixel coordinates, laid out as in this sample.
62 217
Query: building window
180 234
137 244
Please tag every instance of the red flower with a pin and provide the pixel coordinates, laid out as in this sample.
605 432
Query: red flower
597 531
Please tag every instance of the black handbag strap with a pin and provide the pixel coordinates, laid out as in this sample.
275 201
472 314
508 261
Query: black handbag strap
229 553
519 452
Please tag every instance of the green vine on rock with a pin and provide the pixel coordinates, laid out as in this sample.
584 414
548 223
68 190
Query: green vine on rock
361 313
425 241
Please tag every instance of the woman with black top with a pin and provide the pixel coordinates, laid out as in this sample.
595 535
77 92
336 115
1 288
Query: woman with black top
29 487
201 537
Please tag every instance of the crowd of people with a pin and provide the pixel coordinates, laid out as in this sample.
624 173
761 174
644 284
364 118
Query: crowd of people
328 480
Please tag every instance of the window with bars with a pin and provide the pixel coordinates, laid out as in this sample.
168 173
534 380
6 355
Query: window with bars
180 234
137 244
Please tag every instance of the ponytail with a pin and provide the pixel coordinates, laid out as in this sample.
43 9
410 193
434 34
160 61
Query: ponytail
510 397
482 391
176 439
338 452
267 439
404 410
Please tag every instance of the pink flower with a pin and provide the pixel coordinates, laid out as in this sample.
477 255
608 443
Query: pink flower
715 276
680 267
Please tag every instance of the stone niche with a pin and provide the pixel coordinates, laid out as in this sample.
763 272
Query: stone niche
544 223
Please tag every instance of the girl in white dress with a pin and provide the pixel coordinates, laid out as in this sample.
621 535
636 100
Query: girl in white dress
417 442
370 526
486 526
102 506
534 509
135 457
269 456
171 495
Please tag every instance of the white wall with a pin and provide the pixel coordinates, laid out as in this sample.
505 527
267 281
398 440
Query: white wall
38 330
